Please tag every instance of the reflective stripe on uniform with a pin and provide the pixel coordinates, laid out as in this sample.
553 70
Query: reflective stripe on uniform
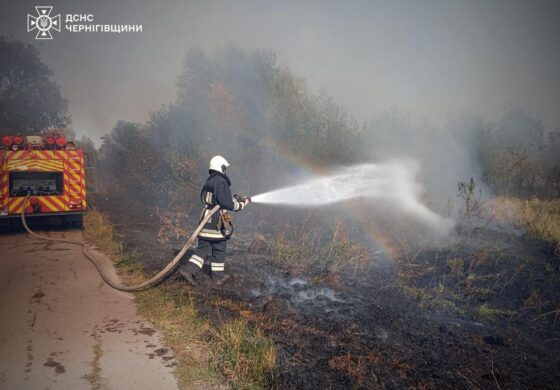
211 233
237 205
197 260
208 198
218 267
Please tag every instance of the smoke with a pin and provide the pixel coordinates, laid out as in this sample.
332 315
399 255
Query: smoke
441 57
445 155
392 182
298 291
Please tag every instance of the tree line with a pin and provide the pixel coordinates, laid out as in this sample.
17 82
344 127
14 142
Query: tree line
262 116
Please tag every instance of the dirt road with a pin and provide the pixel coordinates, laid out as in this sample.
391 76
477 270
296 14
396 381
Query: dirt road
61 327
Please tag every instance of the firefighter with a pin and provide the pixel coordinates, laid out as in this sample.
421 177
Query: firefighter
214 235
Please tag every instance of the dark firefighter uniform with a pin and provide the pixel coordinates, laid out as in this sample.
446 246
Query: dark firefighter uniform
213 239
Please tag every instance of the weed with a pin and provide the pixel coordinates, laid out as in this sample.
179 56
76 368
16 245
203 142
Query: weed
94 376
467 192
244 354
455 263
299 249
534 302
483 293
435 298
100 231
487 312
540 218
129 264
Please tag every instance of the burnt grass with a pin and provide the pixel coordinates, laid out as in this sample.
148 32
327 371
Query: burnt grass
363 330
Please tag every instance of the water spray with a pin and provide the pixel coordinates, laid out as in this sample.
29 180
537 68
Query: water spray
394 182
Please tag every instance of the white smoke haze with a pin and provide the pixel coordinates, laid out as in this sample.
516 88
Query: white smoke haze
393 182
437 58
446 154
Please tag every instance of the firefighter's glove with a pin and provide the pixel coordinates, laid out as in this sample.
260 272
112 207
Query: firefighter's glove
242 199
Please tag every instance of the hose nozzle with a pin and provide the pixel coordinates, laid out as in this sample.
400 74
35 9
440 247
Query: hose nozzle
242 198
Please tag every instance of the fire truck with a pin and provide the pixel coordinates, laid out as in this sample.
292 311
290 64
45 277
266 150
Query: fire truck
50 169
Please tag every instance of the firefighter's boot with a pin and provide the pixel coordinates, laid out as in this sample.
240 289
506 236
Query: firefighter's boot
192 268
188 277
220 278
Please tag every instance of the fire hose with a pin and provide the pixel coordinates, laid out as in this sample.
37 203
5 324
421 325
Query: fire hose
160 276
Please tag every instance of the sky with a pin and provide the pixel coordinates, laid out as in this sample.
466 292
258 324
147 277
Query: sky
436 59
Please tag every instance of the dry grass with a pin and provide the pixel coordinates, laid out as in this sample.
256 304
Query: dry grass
244 354
435 298
473 280
99 230
297 249
540 218
356 366
487 312
233 354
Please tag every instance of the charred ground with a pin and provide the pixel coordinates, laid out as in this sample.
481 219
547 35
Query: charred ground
422 323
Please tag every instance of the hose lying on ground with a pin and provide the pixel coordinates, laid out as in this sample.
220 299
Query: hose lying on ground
142 286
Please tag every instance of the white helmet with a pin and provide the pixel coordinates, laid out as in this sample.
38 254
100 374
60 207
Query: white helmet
218 163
